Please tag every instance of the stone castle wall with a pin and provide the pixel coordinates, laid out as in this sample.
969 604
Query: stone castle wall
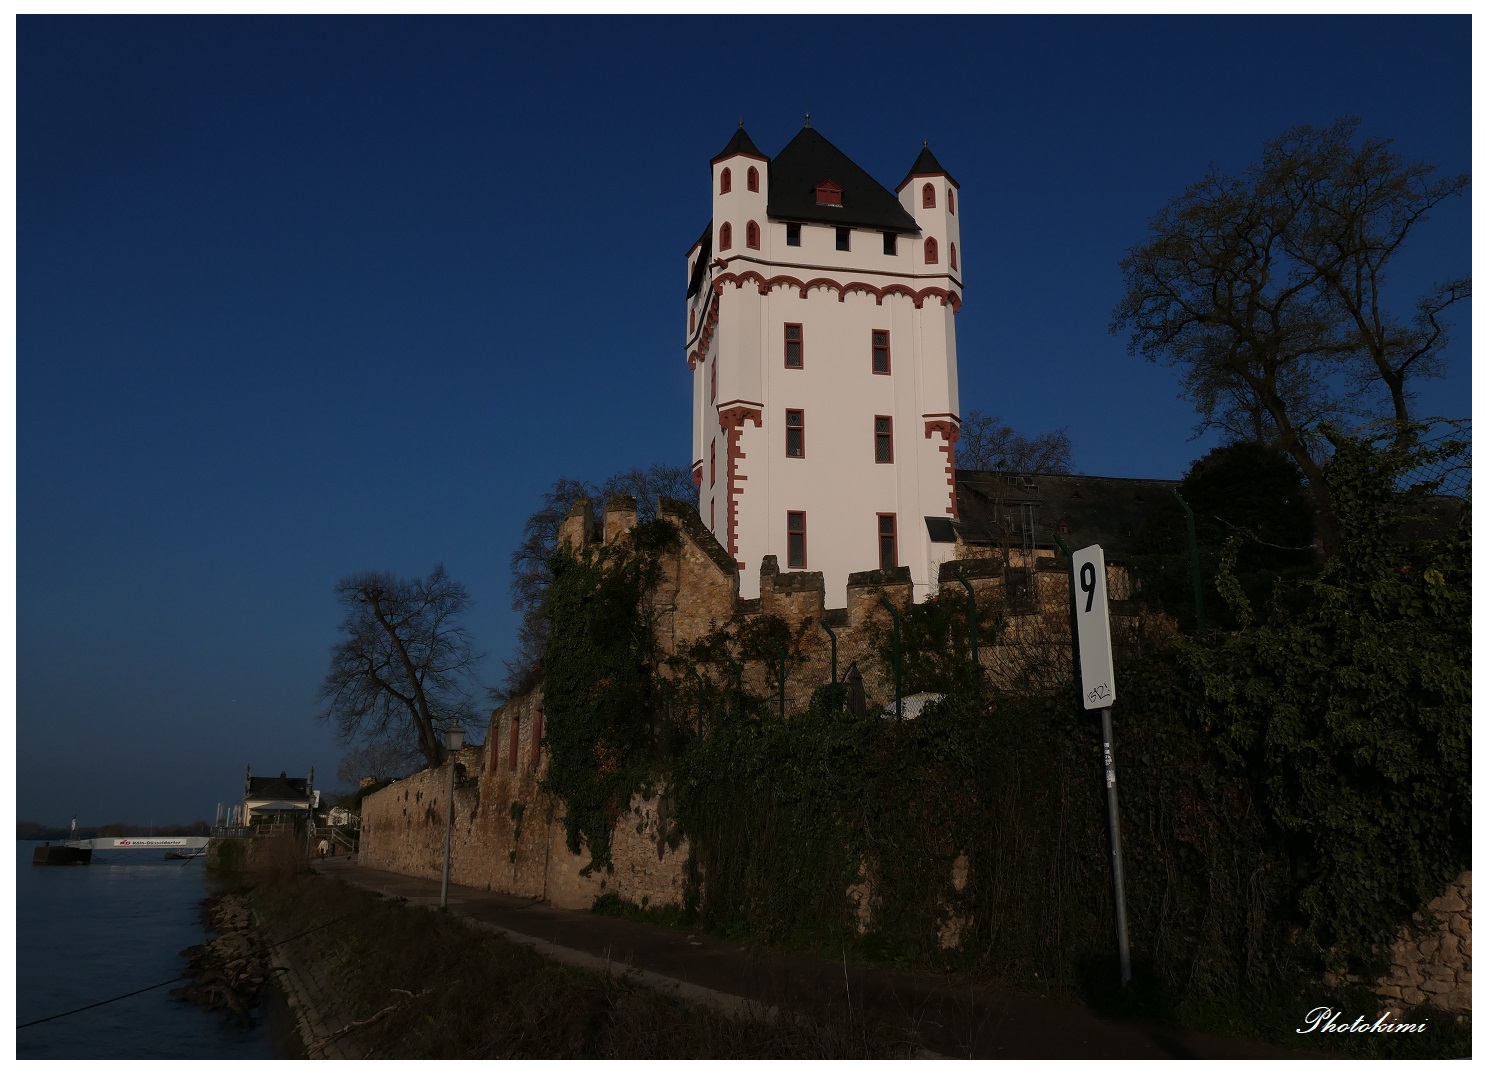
509 835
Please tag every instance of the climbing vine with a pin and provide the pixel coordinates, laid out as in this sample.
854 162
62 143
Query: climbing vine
599 681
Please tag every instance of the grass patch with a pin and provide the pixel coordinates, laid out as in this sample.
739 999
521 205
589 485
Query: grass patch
429 987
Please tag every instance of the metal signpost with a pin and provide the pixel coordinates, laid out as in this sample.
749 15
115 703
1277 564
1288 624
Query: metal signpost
1090 611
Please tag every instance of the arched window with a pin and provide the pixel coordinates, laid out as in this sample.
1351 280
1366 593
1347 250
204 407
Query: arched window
724 240
692 328
929 198
726 180
951 200
953 257
753 236
930 251
752 180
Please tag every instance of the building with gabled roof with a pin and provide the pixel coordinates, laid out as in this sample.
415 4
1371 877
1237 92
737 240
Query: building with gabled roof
278 796
820 334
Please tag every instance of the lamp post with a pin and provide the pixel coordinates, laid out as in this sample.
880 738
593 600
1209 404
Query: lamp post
453 741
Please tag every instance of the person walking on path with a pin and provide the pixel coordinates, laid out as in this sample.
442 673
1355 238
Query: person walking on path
324 847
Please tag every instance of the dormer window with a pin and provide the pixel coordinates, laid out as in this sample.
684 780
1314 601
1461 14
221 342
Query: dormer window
726 180
752 180
929 198
827 193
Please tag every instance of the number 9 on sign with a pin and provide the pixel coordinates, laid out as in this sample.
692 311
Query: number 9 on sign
1091 618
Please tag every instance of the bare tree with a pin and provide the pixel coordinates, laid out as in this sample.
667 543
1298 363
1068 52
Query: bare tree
531 573
987 444
380 760
403 669
1265 290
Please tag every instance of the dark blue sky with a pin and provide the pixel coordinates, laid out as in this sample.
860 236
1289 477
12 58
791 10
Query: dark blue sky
301 297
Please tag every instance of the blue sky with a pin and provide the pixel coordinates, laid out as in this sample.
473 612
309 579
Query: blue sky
302 297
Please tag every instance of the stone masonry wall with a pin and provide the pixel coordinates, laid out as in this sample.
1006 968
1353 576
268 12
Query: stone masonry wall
508 833
1434 966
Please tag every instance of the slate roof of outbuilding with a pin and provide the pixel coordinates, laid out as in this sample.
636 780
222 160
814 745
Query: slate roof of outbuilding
809 160
1105 510
281 787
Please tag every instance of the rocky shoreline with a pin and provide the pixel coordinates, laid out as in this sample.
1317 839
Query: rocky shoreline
230 972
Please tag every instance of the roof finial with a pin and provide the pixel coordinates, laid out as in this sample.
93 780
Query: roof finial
806 119
925 143
739 126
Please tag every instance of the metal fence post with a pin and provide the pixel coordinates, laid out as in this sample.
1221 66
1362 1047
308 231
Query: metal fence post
834 679
1195 561
974 631
896 654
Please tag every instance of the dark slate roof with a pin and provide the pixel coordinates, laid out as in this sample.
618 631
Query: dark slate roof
278 788
809 160
740 143
1092 509
926 164
698 271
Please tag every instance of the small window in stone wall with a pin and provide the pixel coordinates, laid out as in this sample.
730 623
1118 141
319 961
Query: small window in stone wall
515 741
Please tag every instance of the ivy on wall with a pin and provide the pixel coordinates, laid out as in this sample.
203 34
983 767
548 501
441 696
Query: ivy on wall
599 681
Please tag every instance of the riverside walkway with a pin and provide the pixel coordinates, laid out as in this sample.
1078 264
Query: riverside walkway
954 1017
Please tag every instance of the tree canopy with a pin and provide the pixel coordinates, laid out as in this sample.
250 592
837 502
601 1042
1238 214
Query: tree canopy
1268 290
402 672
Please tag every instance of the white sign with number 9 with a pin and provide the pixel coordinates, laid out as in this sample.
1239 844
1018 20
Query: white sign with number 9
1091 613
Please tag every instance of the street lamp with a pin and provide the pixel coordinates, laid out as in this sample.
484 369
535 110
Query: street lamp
453 741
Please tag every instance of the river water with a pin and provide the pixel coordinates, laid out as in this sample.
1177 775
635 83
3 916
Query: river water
88 933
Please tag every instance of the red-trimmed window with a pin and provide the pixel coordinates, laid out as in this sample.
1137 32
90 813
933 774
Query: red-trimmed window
887 539
796 541
793 432
726 180
930 251
883 436
724 240
515 741
881 353
827 193
930 200
752 180
793 345
753 236
950 190
714 379
692 328
714 464
953 257
536 739
713 525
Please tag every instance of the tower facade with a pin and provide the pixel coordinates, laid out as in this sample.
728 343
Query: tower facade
820 332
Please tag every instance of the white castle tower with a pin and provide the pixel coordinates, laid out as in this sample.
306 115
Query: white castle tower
820 331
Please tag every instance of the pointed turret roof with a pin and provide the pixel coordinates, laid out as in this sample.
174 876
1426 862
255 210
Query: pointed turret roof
809 160
926 164
740 145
